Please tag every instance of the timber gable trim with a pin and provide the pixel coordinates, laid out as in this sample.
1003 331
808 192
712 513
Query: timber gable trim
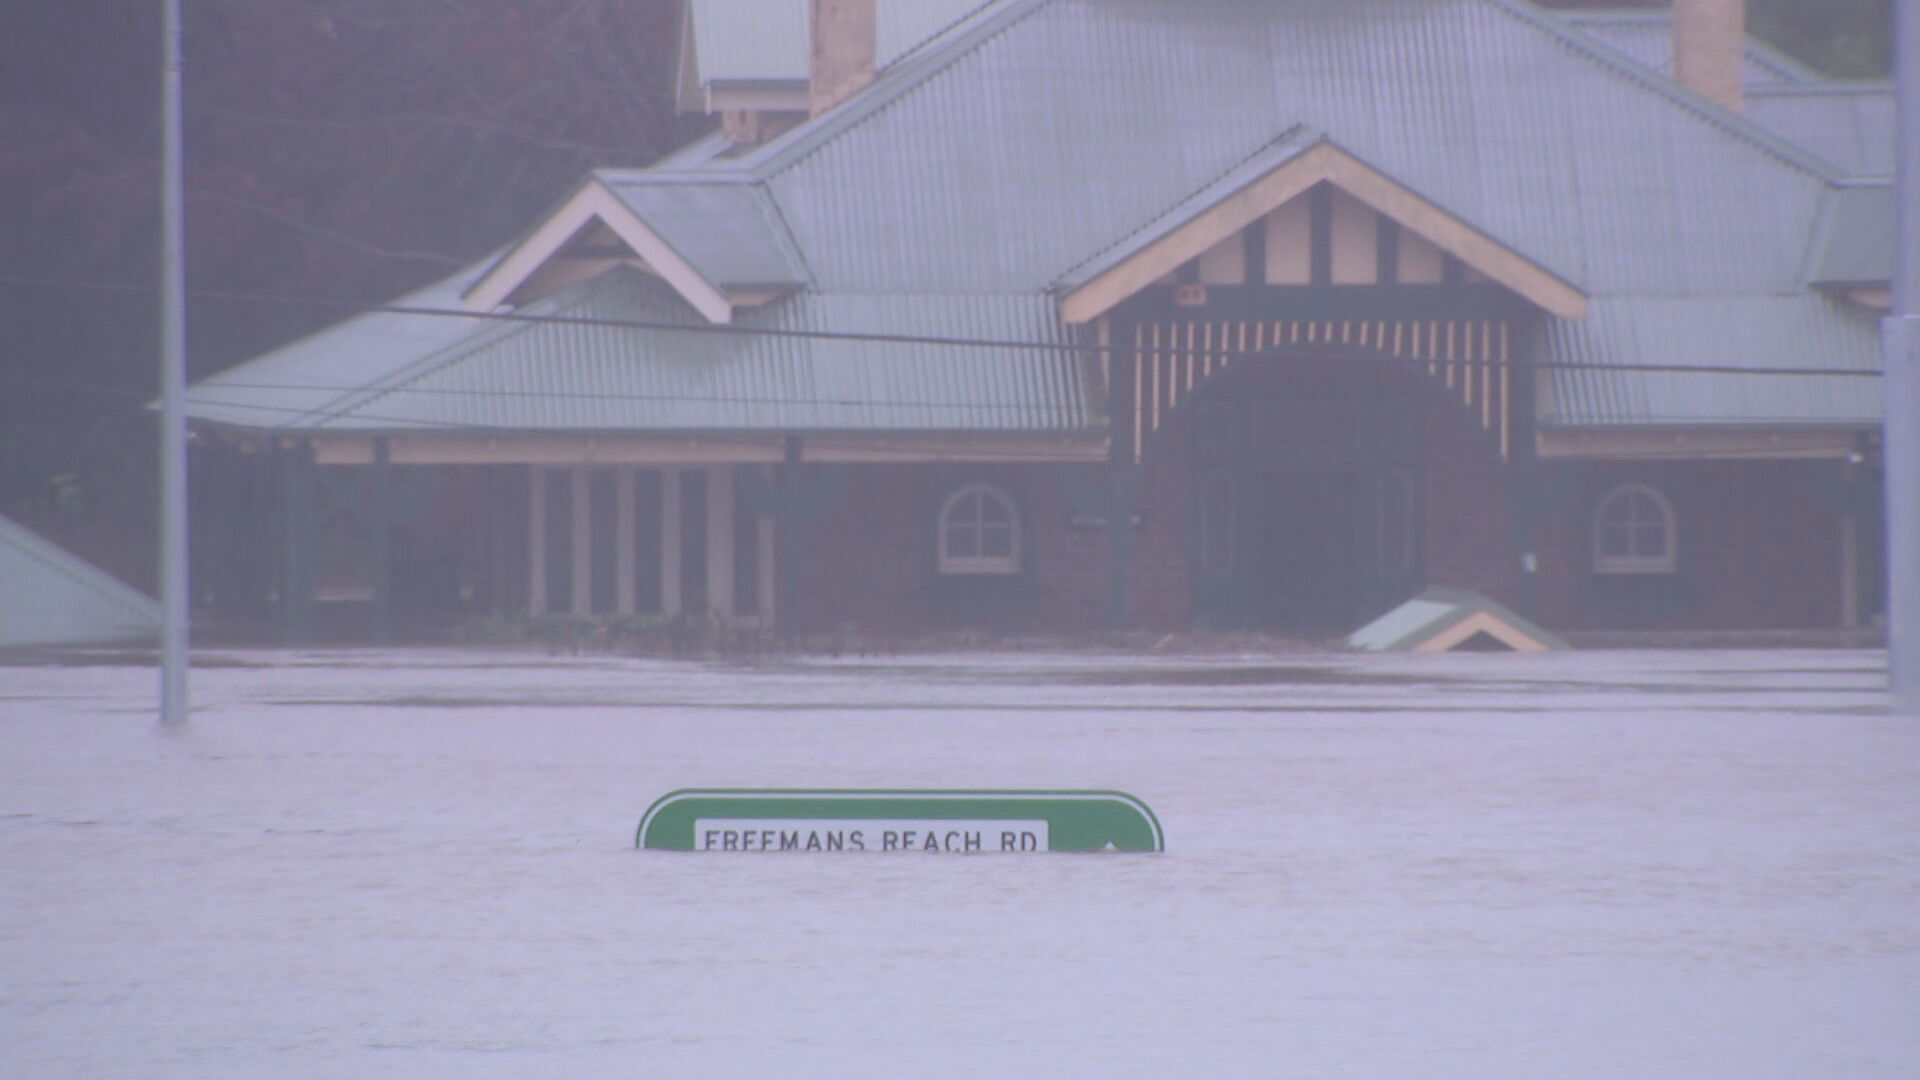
1292 178
505 282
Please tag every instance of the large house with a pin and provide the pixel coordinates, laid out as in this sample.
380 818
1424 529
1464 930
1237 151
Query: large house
1071 314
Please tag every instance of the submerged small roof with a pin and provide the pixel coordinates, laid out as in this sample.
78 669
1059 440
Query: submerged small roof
1443 619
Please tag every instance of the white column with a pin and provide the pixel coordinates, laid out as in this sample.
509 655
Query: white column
767 591
670 541
720 539
582 541
1849 571
536 540
623 541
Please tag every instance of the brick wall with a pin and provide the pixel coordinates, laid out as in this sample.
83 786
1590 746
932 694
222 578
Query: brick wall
1758 543
1468 519
1758 548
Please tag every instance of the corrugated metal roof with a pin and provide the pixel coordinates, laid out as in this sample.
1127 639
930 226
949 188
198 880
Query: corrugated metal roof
766 41
1849 124
1264 161
56 598
1853 241
1774 332
1647 37
1037 134
1048 129
291 385
564 376
731 232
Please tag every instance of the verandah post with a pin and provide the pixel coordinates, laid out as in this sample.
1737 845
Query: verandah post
382 529
1122 466
299 517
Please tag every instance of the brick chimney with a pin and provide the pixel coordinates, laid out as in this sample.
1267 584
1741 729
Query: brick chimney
1710 48
843 51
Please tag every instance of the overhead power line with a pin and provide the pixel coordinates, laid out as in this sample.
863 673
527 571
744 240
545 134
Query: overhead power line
1346 350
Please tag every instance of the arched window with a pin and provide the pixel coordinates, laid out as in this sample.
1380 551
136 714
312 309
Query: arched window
1633 532
979 532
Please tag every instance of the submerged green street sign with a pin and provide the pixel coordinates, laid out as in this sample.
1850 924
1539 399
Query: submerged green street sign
773 820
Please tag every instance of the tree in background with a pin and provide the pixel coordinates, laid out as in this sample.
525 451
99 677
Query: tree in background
337 150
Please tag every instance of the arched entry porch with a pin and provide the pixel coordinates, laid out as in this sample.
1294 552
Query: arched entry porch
1333 469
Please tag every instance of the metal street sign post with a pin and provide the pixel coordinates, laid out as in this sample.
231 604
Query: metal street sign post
173 365
1900 396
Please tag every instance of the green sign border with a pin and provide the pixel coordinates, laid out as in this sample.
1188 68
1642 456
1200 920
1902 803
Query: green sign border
1076 820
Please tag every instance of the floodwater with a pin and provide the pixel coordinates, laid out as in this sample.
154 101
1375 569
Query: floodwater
421 864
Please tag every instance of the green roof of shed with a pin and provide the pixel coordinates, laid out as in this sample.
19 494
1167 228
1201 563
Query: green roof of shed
56 598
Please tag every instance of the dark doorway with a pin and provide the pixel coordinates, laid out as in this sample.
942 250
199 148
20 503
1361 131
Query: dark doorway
1306 508
1304 551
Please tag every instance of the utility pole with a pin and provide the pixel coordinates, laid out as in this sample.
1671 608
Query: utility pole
173 370
1900 351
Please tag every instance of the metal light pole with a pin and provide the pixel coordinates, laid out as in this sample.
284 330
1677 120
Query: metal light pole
1900 349
173 370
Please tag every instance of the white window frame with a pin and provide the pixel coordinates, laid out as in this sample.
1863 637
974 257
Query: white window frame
979 564
1664 561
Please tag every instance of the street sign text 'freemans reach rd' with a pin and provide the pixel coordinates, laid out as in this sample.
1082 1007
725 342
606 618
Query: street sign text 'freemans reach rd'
772 821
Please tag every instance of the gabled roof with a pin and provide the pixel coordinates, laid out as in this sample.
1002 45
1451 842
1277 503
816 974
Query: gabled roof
730 232
1035 138
1442 619
1278 173
710 240
1044 131
56 598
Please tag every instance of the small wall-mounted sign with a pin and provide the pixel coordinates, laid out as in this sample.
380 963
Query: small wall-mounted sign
822 821
1087 522
1189 294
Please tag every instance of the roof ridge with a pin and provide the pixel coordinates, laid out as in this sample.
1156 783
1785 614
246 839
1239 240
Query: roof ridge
1309 136
1625 65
